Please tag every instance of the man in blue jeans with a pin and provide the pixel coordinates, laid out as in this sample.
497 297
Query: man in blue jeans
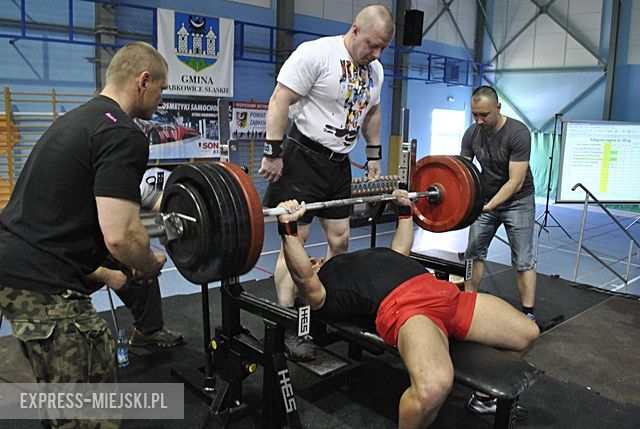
502 146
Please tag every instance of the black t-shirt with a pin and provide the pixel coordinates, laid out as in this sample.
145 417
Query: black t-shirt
494 152
50 237
356 283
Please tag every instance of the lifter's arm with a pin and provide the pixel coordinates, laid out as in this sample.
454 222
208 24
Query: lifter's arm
310 288
402 240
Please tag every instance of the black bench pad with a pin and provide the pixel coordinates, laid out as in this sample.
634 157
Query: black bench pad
490 370
441 261
477 366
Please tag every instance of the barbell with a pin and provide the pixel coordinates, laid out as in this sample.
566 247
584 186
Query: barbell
212 221
434 194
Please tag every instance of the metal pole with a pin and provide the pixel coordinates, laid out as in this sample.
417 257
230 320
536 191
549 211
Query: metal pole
626 277
553 147
113 313
611 63
580 240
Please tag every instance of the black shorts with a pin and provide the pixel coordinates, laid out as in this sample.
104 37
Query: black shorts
311 176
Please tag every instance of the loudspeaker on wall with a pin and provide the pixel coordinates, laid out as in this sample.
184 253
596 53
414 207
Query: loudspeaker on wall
412 35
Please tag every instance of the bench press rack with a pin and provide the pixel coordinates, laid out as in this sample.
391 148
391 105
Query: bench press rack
236 352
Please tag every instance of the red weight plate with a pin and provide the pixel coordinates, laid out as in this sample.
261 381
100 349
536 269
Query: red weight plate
454 178
256 218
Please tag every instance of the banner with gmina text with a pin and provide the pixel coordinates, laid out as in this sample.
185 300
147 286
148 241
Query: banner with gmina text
199 51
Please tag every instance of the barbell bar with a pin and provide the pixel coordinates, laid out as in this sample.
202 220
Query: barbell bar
212 220
433 194
170 226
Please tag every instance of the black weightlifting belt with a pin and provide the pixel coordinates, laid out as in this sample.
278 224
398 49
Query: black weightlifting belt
314 146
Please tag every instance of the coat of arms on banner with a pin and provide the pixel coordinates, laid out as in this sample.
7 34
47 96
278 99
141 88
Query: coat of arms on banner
199 53
197 40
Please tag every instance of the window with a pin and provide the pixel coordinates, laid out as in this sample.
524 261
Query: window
447 129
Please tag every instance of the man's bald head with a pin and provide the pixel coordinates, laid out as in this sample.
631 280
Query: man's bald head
376 16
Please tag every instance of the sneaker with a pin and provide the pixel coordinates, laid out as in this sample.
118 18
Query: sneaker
298 349
482 404
488 405
162 338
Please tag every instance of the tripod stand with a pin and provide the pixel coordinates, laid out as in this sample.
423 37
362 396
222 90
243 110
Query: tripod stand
547 214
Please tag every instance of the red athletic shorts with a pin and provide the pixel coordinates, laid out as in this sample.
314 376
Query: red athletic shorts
439 300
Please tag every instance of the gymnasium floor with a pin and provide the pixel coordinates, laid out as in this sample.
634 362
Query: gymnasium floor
589 359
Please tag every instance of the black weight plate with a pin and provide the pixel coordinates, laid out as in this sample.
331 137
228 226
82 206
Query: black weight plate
255 219
234 209
242 214
189 251
218 231
228 246
478 203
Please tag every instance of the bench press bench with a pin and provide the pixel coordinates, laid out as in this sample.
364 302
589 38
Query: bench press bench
477 366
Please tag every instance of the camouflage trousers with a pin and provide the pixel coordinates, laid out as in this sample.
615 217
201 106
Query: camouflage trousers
65 340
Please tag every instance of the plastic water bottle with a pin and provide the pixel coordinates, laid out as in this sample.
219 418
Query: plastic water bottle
122 350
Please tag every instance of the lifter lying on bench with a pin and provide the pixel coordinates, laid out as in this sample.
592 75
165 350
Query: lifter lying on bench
410 309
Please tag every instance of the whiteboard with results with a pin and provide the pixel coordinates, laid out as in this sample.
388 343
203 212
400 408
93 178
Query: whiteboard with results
604 156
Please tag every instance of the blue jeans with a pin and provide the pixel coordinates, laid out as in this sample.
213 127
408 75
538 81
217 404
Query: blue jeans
518 217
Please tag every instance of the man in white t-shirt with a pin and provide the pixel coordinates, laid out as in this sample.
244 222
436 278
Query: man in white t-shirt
330 88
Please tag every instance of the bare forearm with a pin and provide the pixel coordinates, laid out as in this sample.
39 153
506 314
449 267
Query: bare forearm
134 250
125 236
507 191
114 279
402 240
297 259
101 275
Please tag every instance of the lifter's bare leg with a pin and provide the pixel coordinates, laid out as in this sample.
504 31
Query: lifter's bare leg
425 352
497 323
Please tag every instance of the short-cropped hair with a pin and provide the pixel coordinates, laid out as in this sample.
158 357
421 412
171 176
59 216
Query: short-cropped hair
133 59
484 91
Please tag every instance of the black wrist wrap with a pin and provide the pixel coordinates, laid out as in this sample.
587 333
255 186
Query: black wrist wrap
272 148
288 228
404 212
374 153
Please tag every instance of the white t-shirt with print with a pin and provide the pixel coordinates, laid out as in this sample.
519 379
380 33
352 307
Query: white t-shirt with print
337 92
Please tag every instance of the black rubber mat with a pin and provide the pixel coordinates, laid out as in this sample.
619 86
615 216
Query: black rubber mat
367 395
